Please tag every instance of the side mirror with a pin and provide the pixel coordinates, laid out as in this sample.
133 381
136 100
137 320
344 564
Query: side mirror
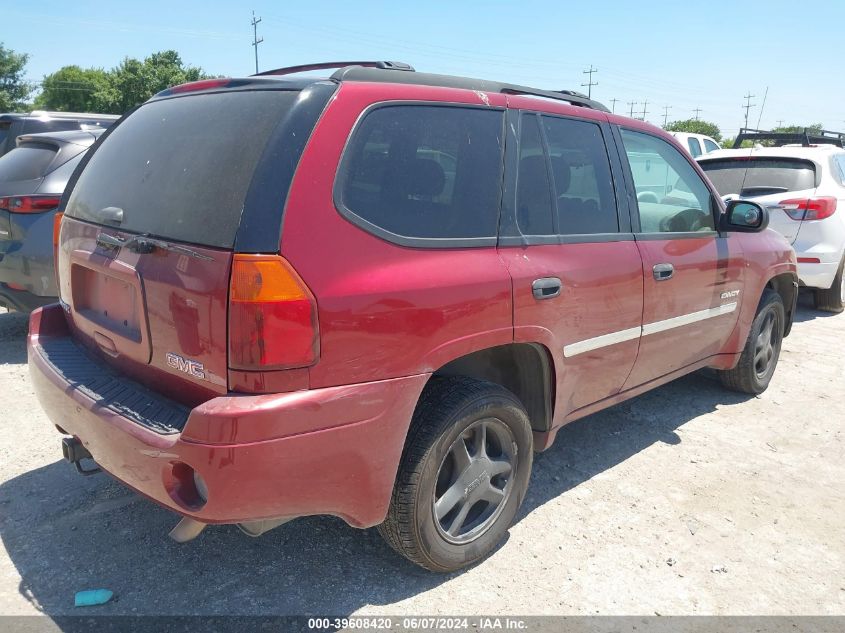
744 216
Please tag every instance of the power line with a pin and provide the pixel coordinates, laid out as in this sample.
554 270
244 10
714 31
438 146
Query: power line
255 39
666 109
589 85
748 105
613 105
632 104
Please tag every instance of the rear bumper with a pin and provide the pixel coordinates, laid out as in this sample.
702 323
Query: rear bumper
21 300
817 275
323 451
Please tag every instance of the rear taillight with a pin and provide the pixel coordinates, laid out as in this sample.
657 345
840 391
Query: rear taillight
809 208
29 204
57 227
272 315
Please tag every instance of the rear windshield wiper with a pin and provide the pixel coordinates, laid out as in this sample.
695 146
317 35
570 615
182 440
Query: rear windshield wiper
144 244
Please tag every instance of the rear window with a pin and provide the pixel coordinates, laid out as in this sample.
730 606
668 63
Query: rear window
760 176
424 172
180 168
27 162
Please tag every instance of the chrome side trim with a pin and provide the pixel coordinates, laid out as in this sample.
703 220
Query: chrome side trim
686 319
590 344
604 340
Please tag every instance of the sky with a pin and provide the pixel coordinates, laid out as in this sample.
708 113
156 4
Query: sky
680 54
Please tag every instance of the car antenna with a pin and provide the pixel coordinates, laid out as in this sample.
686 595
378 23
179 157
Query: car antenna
748 164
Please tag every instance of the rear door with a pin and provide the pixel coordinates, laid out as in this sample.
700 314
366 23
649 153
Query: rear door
692 275
768 180
146 244
577 274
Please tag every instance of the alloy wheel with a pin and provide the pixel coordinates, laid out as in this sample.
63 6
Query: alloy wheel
474 481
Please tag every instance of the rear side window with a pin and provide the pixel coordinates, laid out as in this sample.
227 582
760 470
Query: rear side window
27 162
583 185
760 176
710 146
533 187
424 172
180 168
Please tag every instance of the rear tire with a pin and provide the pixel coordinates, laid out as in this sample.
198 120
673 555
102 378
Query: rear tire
756 366
831 300
463 474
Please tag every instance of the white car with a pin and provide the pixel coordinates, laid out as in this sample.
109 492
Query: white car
804 190
696 144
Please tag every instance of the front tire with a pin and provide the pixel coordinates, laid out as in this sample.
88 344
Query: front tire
831 300
463 474
756 366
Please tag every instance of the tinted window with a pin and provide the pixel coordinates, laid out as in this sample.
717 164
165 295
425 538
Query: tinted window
671 196
760 176
180 168
694 146
26 162
533 189
586 202
710 146
425 171
4 133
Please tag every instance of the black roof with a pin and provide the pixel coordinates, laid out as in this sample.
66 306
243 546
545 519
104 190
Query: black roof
806 137
402 73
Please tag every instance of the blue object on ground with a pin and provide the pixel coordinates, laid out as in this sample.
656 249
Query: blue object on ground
92 597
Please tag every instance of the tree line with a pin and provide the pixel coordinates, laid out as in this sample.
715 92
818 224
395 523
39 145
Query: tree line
75 89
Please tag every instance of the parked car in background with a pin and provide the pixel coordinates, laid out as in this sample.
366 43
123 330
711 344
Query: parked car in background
803 186
33 177
373 295
13 124
696 144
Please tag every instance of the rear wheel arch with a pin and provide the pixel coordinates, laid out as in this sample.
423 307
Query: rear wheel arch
524 369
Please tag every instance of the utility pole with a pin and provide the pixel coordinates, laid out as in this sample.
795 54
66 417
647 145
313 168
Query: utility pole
697 112
589 85
645 105
666 109
748 105
632 104
613 105
780 122
255 39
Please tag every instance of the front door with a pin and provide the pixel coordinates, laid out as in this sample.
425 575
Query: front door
692 275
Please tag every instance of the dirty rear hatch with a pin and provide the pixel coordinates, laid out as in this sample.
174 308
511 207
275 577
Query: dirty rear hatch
146 243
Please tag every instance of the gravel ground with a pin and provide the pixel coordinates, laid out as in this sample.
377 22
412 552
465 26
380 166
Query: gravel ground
687 500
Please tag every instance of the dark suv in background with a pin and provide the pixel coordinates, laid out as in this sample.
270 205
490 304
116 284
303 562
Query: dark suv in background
13 124
33 177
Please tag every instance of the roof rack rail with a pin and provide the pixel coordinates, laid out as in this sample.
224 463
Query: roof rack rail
806 137
290 70
360 72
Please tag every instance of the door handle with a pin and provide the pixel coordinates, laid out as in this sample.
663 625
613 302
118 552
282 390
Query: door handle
546 287
662 272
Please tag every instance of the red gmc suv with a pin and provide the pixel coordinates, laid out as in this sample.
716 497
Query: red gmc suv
373 295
